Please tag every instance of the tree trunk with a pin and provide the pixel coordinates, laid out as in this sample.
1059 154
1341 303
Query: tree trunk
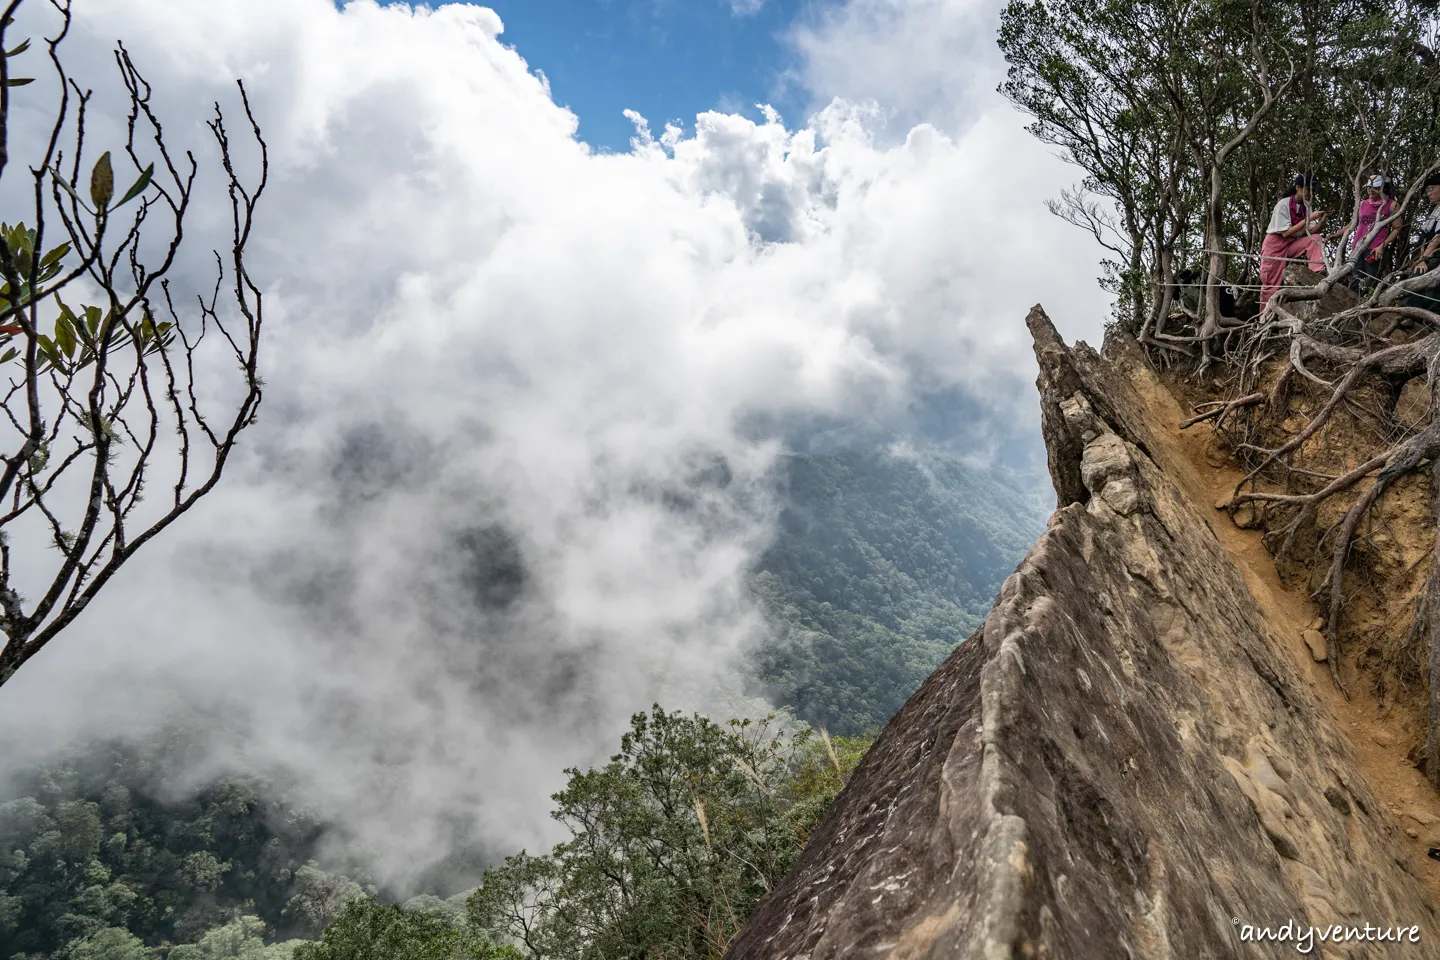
1213 214
1432 615
1431 612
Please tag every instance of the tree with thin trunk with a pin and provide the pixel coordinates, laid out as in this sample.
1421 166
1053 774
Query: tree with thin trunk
112 380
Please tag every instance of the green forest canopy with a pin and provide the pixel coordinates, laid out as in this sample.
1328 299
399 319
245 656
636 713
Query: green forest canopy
883 564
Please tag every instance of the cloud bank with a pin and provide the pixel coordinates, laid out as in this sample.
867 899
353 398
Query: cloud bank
507 479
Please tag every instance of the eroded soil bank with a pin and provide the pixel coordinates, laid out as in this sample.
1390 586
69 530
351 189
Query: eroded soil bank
1383 731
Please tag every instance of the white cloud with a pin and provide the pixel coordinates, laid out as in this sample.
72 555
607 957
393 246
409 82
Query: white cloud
746 8
487 340
932 61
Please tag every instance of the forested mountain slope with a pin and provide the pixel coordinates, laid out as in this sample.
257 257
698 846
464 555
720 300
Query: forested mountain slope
102 838
884 562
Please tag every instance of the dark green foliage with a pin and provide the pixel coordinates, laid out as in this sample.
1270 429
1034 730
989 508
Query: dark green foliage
111 943
672 842
367 930
882 566
95 847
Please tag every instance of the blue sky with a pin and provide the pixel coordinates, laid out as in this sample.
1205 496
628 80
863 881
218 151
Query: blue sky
667 59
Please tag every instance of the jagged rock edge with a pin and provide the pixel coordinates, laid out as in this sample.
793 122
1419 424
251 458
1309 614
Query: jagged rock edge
1098 450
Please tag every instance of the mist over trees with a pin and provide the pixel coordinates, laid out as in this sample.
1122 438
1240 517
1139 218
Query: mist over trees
102 841
669 845
882 565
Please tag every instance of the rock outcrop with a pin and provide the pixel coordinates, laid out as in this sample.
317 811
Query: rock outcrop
1123 762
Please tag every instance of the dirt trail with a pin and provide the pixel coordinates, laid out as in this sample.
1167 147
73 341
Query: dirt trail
1377 741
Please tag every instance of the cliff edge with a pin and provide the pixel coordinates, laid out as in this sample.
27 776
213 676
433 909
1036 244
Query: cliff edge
1126 760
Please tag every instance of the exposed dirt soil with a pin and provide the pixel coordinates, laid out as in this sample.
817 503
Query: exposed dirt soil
1384 719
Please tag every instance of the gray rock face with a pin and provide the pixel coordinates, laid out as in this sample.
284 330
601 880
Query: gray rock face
1120 763
1336 299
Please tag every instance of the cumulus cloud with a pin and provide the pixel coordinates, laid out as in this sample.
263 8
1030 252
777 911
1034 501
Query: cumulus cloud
509 477
930 61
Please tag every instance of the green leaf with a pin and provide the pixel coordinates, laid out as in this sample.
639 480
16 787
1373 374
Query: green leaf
19 240
139 186
55 256
102 182
47 347
92 320
69 189
86 336
19 81
65 336
25 45
10 354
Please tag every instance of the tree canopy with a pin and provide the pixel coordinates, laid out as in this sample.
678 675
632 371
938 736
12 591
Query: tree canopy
1189 118
671 843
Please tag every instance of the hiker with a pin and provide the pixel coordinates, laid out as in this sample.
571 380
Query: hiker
1429 257
1290 235
1369 261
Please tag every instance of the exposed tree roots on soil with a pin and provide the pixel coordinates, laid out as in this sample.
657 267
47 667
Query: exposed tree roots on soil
1347 358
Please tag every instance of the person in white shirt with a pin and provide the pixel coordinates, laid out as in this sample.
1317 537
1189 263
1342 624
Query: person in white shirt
1291 235
1429 257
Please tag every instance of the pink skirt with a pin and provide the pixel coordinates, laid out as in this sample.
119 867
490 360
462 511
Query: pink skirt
1274 253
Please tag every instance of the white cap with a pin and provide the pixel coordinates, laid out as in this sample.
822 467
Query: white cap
1377 182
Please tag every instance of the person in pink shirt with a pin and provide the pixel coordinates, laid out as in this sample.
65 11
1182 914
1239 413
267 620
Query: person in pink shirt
1291 236
1370 256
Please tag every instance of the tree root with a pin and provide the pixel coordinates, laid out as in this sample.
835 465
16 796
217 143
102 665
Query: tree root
1323 342
1430 611
1222 409
1401 358
1338 354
